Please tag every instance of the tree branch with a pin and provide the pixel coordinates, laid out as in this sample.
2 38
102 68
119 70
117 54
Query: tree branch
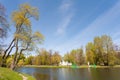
8 48
9 51
21 53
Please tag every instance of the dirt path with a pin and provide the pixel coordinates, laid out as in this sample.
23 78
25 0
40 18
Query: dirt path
24 78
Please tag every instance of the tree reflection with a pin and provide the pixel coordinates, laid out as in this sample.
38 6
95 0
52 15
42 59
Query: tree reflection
39 76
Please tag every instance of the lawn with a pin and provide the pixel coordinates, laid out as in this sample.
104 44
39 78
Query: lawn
7 74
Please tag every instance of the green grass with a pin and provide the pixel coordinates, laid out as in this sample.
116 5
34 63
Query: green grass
29 77
7 74
50 66
47 66
82 66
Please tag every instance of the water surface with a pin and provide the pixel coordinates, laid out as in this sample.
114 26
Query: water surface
72 74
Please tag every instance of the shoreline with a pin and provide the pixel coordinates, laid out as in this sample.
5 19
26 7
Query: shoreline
82 66
17 75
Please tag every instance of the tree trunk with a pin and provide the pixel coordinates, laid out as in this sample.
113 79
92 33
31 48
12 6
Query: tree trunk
106 64
13 65
4 57
18 57
8 49
3 63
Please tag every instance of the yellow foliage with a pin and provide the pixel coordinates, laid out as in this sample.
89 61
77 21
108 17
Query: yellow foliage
21 19
31 10
21 37
23 14
39 35
9 61
20 63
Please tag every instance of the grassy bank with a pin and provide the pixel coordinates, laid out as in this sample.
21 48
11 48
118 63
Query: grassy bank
7 74
46 66
82 66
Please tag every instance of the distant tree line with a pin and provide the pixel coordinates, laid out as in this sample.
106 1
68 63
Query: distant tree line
75 56
44 58
101 51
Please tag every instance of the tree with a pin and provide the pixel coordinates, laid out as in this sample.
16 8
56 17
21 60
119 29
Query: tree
4 27
117 50
75 57
43 57
67 57
37 60
101 52
3 22
80 57
71 56
108 52
23 35
98 50
29 60
90 55
24 32
56 58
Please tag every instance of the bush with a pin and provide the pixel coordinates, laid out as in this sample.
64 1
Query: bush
9 62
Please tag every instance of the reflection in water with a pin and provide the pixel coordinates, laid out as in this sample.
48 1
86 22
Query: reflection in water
43 77
45 74
72 74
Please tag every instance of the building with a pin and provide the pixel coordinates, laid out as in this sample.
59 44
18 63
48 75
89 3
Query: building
65 63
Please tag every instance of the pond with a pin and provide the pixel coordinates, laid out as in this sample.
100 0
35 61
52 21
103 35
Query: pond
72 74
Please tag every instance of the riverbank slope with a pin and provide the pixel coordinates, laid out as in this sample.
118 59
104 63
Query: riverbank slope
7 74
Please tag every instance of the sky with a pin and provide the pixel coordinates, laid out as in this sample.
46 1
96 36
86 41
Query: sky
71 24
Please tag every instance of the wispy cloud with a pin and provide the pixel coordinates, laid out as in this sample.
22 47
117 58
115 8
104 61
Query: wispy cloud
67 15
64 24
65 6
104 24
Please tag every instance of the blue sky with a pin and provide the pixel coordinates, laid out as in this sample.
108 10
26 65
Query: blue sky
70 24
